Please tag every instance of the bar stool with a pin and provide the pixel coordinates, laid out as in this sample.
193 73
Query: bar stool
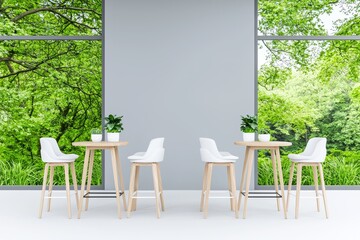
313 155
152 157
212 157
53 157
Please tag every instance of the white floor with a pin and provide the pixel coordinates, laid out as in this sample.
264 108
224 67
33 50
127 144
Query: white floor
181 220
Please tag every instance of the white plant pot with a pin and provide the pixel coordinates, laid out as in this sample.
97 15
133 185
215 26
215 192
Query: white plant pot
249 137
264 137
113 137
96 137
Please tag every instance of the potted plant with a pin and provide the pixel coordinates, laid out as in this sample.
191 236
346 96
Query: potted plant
96 135
248 127
113 126
264 135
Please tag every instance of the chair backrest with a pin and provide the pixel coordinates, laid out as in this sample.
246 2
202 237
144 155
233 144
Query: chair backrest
154 144
316 148
208 144
155 151
49 149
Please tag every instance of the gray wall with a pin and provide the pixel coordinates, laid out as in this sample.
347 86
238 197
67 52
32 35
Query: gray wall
179 69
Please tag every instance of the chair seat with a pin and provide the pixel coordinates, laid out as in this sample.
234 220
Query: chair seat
228 156
66 158
299 158
137 156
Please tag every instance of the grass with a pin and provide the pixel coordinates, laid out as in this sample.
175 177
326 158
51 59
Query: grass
340 168
27 173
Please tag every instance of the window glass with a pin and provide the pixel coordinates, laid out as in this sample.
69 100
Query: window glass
50 17
47 88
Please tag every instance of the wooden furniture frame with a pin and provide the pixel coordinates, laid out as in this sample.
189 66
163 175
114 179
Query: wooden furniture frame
315 168
207 184
51 179
250 147
87 173
134 186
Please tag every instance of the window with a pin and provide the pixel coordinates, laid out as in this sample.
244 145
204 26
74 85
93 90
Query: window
50 83
308 83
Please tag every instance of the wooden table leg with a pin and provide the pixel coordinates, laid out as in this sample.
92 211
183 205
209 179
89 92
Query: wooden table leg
250 160
273 160
83 180
243 175
116 183
91 165
281 180
120 176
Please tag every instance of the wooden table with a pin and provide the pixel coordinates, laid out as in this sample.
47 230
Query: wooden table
87 172
250 147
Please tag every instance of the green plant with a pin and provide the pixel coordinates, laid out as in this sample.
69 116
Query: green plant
96 131
263 131
248 124
113 124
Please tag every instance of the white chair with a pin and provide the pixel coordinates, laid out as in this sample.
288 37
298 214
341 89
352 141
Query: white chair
152 157
52 156
212 157
313 155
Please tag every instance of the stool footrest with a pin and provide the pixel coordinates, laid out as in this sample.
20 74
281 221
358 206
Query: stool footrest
136 192
257 194
102 194
319 196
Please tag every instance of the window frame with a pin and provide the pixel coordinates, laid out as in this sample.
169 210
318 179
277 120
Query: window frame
100 38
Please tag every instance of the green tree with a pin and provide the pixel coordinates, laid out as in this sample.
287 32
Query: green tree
47 88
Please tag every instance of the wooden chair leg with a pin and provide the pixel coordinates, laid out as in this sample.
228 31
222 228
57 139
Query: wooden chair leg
289 187
298 188
273 160
156 188
50 187
66 169
323 189
160 188
43 189
229 186
91 166
73 175
207 191
203 187
316 187
137 173
131 188
233 188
